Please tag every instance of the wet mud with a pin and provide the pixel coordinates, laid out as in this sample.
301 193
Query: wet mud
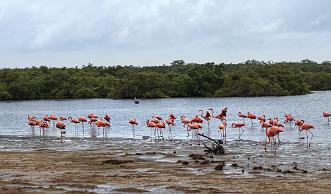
160 166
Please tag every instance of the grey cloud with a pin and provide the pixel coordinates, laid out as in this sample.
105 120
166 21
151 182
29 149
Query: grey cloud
155 32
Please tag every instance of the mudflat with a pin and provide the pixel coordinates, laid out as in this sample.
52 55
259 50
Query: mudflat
160 166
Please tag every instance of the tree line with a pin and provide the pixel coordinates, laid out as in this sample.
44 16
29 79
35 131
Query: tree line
179 79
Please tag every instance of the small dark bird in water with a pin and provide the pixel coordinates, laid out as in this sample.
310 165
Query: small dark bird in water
136 101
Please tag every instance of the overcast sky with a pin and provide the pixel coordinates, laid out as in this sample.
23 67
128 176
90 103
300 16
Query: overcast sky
156 32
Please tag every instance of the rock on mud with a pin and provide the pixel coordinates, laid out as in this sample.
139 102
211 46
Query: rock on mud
196 157
116 161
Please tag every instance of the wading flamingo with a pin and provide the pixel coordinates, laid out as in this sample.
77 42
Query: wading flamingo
99 124
107 117
221 116
306 126
185 121
133 122
32 123
261 118
207 117
160 126
75 121
222 128
46 118
194 127
43 125
271 132
289 119
170 122
60 125
53 118
172 116
91 115
151 125
62 118
157 117
197 120
327 115
239 125
82 120
242 116
251 116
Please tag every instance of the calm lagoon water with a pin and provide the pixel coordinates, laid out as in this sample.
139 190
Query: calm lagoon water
13 115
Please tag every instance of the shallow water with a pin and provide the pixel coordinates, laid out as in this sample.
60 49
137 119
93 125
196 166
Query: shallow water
13 115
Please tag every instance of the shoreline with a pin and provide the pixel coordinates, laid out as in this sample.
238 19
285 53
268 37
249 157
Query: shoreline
130 99
179 166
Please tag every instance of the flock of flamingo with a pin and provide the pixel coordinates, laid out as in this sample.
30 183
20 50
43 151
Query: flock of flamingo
273 127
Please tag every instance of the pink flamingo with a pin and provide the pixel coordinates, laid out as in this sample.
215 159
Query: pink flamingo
170 122
53 118
222 128
32 123
195 127
62 118
196 119
239 125
172 116
271 132
46 118
75 121
160 126
133 122
43 125
327 115
107 117
261 118
207 117
103 124
82 120
157 117
221 116
289 119
242 116
60 125
307 126
184 120
151 125
251 116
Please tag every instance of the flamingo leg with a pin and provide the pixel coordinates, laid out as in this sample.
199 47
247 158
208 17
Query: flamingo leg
278 138
275 145
311 137
241 132
307 138
61 136
133 132
83 128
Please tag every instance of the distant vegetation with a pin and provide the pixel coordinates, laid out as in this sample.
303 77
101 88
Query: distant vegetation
252 78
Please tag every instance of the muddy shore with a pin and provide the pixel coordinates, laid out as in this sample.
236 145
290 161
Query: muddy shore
159 166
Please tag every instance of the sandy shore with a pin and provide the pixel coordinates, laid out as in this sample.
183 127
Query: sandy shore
123 165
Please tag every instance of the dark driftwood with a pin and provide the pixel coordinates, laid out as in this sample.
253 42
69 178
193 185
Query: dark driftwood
216 146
